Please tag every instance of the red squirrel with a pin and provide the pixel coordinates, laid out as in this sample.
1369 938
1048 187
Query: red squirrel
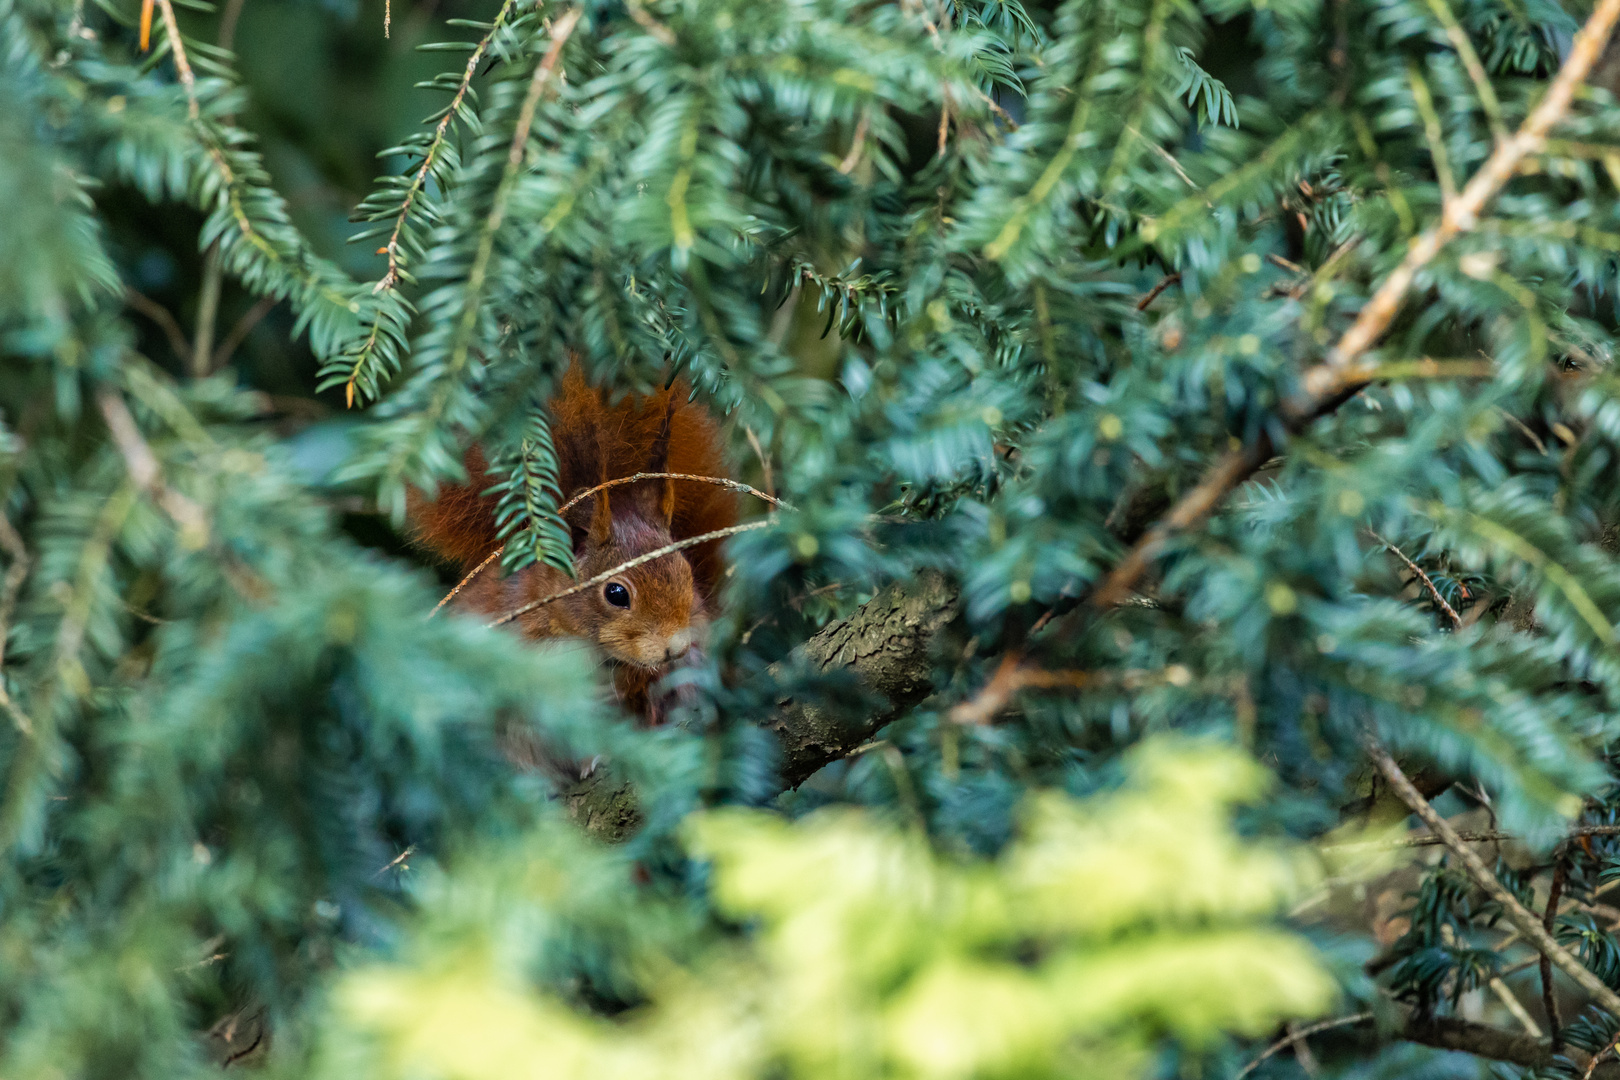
647 618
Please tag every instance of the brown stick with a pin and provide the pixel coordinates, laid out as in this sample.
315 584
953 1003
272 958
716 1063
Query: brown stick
1549 998
667 549
1429 840
244 326
1153 293
16 574
1341 374
1428 583
462 584
145 472
1462 213
435 145
1299 1035
719 481
162 316
1522 918
1010 677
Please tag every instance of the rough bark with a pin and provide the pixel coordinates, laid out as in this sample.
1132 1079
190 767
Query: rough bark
1515 1048
887 642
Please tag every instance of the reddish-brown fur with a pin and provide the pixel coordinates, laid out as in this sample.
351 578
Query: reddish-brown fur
672 597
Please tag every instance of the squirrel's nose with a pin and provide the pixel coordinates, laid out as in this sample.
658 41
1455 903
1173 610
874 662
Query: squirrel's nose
678 645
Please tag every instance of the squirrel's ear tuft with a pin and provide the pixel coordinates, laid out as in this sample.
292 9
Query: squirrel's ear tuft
457 525
658 461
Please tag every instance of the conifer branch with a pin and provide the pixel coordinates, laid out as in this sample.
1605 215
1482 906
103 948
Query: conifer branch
472 302
1522 918
434 147
188 80
1331 382
1428 582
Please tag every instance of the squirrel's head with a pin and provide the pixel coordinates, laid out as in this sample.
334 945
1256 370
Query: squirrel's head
648 615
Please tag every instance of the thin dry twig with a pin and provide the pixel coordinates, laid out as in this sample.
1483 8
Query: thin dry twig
163 317
464 582
1341 374
1300 1034
10 588
1012 676
857 143
1522 918
719 481
1428 583
396 860
1613 1049
1490 837
239 332
1549 995
631 564
644 19
1153 293
764 460
1514 1006
144 470
1461 214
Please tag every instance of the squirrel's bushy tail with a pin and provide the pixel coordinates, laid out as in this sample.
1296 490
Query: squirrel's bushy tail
596 441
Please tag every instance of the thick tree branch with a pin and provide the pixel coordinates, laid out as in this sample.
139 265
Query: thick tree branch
1482 1040
887 644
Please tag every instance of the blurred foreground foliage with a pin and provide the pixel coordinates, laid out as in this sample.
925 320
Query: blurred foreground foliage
1108 923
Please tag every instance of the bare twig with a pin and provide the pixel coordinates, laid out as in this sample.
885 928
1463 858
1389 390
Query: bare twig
145 472
1511 1002
1610 1050
164 319
463 583
631 564
1522 918
857 143
1010 677
719 481
764 460
1492 837
645 20
1461 214
202 349
239 332
396 860
10 588
1428 583
230 14
1549 997
1300 1034
1153 293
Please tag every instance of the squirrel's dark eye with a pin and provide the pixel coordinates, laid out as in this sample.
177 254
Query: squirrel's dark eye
616 594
